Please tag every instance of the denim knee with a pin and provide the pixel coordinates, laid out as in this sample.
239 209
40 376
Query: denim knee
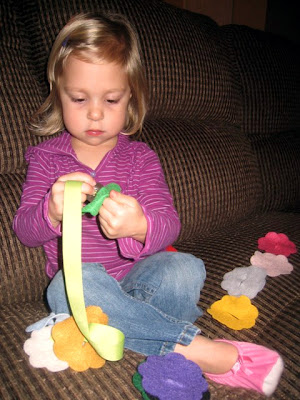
170 282
56 292
183 279
171 267
56 295
183 271
148 330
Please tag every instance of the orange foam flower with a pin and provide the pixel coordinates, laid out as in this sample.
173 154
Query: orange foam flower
235 312
71 346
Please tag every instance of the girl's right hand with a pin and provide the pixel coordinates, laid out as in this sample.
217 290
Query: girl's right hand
56 199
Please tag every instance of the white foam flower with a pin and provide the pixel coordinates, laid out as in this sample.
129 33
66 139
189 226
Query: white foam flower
247 281
39 347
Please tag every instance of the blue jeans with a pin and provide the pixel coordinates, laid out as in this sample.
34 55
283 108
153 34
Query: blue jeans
155 305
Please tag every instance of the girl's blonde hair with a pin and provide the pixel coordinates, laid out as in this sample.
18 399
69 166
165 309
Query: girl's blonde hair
93 38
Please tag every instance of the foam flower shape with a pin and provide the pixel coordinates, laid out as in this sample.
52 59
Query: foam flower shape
137 382
235 312
39 347
247 281
277 243
274 265
171 248
172 377
71 346
94 207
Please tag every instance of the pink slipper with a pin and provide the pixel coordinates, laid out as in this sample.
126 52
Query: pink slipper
257 368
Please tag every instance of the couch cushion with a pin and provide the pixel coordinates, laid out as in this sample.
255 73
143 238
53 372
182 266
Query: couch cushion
268 69
277 325
20 95
22 269
278 157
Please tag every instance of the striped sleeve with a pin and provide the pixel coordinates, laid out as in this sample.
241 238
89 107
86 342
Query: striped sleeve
31 223
153 194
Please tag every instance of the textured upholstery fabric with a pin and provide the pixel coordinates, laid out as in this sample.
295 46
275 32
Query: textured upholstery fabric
224 119
20 92
217 175
279 163
267 67
22 269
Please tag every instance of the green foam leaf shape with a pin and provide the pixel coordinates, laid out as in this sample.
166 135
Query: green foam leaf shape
94 206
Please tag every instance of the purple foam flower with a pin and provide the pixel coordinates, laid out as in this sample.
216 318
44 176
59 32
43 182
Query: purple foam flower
172 377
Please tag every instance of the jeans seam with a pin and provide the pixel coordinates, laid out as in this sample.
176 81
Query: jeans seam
184 339
138 286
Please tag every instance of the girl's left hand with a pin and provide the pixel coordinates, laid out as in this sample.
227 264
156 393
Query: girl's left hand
122 216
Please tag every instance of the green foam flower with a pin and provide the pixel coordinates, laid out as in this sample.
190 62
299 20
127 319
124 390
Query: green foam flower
94 206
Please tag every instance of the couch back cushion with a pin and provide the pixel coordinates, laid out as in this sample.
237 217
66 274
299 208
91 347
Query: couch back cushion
268 69
188 72
21 94
278 158
211 171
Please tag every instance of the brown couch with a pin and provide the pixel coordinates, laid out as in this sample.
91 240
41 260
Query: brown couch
224 119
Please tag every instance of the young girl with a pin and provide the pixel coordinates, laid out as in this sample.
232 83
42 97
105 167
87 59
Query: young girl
97 99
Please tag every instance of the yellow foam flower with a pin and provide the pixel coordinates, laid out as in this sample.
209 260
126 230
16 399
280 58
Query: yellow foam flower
70 345
235 312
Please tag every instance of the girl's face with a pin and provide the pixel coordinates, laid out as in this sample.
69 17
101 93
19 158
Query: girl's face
94 100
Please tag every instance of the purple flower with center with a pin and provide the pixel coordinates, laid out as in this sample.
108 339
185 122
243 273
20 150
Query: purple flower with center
172 377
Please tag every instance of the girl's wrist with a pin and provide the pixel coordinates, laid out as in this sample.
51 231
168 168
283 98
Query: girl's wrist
54 222
141 235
